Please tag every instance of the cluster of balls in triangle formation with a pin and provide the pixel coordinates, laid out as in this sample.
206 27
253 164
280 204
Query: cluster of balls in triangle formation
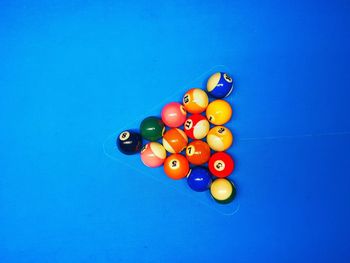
194 136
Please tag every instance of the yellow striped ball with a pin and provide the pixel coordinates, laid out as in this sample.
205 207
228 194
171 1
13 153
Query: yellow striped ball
219 138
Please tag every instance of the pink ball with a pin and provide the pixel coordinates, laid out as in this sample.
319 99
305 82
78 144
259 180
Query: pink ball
174 114
153 154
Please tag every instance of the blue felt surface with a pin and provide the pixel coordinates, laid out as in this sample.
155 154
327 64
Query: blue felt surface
72 73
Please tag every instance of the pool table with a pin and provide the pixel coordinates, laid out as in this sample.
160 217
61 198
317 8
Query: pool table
73 74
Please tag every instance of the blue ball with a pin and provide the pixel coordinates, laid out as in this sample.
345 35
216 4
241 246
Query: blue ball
220 85
199 179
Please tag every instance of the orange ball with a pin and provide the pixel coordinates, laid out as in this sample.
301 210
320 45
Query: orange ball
195 100
176 166
198 152
175 140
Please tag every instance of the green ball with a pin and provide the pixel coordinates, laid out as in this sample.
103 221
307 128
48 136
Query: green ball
152 128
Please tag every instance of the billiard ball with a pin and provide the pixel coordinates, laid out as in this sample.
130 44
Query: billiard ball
195 101
152 128
173 114
176 166
219 112
220 85
196 126
198 152
219 138
221 164
129 142
175 140
153 154
222 190
199 179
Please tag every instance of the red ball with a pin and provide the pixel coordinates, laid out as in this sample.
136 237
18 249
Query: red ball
221 164
196 126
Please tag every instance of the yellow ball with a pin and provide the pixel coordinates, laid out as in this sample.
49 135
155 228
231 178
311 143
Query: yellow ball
219 112
222 190
219 138
195 101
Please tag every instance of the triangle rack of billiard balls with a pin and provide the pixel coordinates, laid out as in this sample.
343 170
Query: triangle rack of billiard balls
189 139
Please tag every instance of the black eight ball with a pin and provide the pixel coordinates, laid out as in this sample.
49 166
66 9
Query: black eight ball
129 142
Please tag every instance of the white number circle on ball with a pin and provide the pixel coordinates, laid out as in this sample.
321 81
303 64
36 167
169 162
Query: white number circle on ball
124 136
188 124
227 78
174 164
219 165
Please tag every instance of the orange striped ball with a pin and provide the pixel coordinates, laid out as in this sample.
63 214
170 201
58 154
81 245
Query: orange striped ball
175 140
195 100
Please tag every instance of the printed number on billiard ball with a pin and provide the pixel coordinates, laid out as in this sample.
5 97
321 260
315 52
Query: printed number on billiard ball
221 130
174 164
186 98
188 124
124 136
219 165
227 78
190 150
